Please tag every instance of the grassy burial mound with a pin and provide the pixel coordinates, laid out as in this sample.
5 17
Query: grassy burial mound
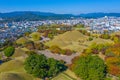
116 33
15 76
35 36
10 76
99 41
69 40
22 40
14 70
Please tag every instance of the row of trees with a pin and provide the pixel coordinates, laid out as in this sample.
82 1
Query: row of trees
97 48
56 49
111 53
113 59
32 45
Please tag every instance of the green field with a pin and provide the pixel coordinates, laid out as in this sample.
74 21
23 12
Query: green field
14 70
62 77
66 75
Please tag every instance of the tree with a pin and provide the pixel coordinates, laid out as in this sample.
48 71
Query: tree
39 46
55 67
9 51
113 59
36 65
105 36
89 68
29 45
40 66
55 49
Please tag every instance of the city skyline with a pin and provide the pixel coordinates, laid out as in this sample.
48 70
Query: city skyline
61 6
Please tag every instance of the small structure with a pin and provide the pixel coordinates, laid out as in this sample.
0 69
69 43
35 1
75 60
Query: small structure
64 28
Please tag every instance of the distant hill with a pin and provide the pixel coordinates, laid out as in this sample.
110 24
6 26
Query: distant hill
98 15
34 16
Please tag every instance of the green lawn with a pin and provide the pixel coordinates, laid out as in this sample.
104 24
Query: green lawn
66 75
14 70
62 76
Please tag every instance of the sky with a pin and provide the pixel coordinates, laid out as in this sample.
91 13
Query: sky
61 6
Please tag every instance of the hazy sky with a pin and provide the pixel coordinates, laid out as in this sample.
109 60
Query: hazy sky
61 6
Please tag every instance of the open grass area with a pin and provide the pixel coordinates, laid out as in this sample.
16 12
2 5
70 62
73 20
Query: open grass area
13 65
71 74
19 52
21 40
10 76
15 76
62 76
66 75
69 40
14 70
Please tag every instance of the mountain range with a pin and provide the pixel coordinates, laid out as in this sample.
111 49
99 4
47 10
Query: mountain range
34 15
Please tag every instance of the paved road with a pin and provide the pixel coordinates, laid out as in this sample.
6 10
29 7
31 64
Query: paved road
65 58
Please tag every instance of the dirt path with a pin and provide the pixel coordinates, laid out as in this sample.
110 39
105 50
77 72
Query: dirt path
65 58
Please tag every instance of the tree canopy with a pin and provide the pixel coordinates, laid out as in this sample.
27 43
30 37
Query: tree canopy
42 67
9 51
89 68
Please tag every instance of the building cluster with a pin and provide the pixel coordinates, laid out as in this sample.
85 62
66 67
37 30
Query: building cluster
110 24
12 30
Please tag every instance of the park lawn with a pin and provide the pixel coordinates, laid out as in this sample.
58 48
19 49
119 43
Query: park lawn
22 40
13 65
66 75
14 70
69 40
71 74
19 52
25 49
62 76
15 76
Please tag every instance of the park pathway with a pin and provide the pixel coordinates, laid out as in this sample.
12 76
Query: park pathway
67 59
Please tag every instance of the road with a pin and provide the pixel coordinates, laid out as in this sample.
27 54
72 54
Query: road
65 58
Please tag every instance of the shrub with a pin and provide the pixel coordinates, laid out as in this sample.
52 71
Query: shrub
55 49
29 45
39 46
9 51
90 38
68 52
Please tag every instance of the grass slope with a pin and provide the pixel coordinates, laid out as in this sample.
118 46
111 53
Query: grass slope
21 40
66 75
14 70
62 77
68 40
98 41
